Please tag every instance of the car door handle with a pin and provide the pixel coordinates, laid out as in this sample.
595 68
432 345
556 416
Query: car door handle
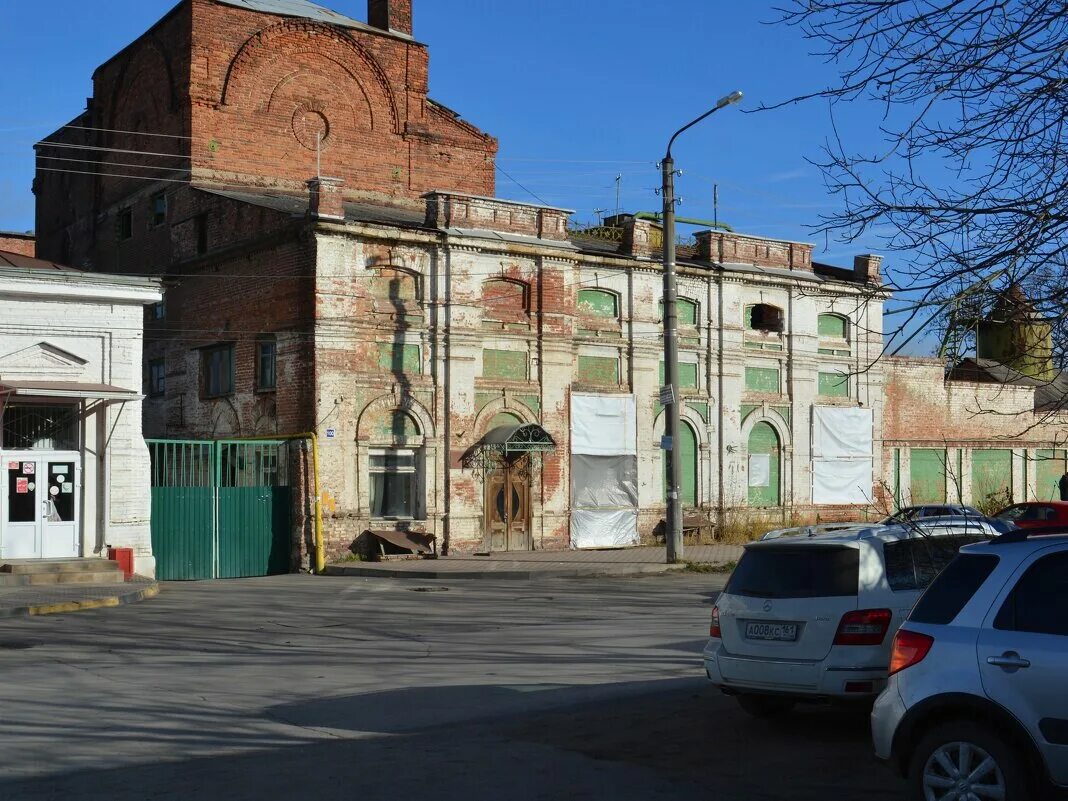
1009 659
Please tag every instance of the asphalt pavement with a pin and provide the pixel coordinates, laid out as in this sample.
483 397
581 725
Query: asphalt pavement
338 688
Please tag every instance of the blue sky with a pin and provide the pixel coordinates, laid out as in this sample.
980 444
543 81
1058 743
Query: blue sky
577 91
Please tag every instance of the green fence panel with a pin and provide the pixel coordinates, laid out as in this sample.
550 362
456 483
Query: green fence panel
1051 466
991 476
927 475
254 510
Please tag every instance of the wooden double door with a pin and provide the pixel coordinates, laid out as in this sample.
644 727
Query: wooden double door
507 511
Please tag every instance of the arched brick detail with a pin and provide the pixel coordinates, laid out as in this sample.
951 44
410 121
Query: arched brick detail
148 54
494 408
389 403
279 43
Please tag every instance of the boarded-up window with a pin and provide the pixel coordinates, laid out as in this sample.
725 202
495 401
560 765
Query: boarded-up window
764 469
1051 465
687 375
762 379
602 370
399 358
598 303
832 326
687 451
991 476
395 285
834 385
507 364
685 309
504 300
927 475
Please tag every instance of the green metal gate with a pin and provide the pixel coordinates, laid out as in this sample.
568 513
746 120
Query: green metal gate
220 509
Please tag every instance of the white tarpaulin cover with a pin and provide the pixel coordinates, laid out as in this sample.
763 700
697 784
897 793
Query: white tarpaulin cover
603 425
760 470
604 482
841 432
841 481
595 528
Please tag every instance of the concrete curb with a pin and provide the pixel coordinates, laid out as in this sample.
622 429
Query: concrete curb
376 570
144 592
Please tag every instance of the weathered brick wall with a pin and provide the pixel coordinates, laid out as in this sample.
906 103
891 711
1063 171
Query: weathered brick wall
23 244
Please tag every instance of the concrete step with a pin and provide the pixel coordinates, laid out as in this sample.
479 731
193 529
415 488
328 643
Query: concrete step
51 579
38 566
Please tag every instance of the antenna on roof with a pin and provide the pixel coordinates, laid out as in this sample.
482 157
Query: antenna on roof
715 205
619 184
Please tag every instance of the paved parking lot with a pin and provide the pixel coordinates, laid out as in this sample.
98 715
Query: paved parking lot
340 688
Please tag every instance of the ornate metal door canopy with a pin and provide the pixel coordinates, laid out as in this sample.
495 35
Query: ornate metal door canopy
507 445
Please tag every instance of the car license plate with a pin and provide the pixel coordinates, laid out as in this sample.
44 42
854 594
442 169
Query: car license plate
786 632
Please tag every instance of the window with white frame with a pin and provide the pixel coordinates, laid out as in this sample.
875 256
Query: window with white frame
396 483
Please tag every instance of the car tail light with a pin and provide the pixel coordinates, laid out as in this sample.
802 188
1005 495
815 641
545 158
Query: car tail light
714 629
910 648
863 627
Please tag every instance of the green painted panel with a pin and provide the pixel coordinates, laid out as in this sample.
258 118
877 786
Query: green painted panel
785 412
1051 464
763 439
991 474
484 399
532 402
396 425
834 385
399 358
833 352
762 379
927 475
685 309
895 479
688 455
831 325
687 375
598 303
602 370
701 409
510 365
504 419
748 409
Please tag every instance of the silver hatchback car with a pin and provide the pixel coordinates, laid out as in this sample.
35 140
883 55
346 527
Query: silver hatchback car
976 707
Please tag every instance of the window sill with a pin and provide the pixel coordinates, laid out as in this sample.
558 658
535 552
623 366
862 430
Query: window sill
217 397
265 390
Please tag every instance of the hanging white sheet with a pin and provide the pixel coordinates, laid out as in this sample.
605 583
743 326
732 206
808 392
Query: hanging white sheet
841 432
603 425
760 470
842 481
595 528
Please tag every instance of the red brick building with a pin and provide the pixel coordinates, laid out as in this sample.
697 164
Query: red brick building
421 326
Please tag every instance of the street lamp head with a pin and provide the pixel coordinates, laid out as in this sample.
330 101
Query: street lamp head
729 100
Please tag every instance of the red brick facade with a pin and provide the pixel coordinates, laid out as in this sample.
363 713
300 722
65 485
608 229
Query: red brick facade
23 244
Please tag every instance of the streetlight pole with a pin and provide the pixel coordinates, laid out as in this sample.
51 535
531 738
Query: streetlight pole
670 392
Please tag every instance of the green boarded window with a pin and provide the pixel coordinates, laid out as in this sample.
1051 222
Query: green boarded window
508 364
762 379
598 370
764 446
991 477
927 475
688 454
832 326
398 358
599 303
1051 465
834 385
687 375
686 309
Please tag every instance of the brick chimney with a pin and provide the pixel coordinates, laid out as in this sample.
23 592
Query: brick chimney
867 268
643 239
390 15
325 199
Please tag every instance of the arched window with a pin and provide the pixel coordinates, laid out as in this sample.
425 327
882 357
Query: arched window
599 303
396 473
765 454
505 300
764 317
686 309
688 458
833 326
396 286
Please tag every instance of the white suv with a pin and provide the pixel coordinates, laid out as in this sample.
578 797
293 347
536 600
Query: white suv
811 617
977 703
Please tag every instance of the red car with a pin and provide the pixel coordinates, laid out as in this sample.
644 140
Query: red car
1036 514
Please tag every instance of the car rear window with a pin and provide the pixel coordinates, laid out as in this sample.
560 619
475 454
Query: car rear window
801 572
912 564
953 588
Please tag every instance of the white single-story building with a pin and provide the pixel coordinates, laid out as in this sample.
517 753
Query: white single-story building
74 465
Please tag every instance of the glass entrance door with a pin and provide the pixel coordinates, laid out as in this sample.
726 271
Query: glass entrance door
39 510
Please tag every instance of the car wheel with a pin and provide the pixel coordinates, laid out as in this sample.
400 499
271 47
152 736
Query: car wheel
966 760
766 706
